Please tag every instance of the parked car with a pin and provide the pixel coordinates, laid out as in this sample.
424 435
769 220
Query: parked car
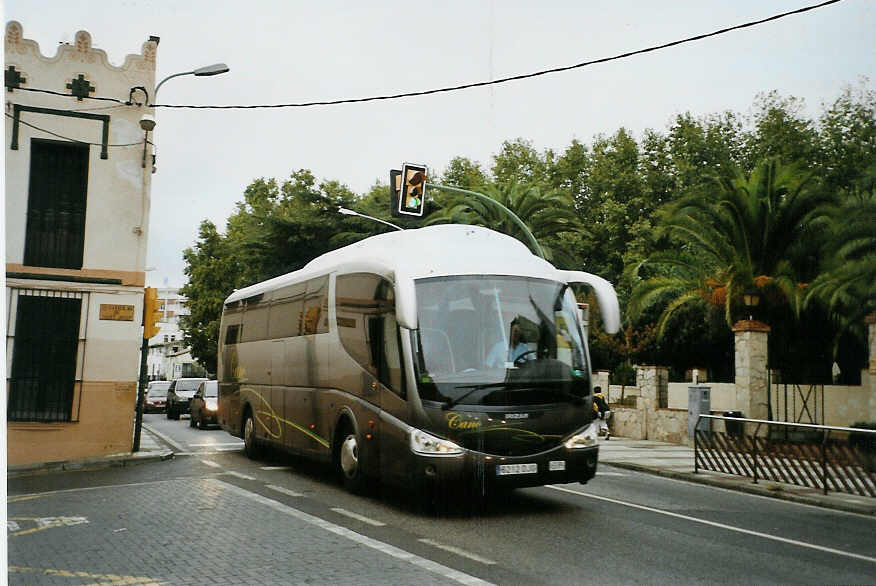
155 400
205 405
180 394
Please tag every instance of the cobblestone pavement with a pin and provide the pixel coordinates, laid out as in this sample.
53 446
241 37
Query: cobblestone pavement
195 531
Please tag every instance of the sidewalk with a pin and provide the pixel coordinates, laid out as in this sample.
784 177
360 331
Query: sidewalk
674 461
151 449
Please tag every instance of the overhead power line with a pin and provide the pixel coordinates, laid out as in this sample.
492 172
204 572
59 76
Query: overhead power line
479 83
514 77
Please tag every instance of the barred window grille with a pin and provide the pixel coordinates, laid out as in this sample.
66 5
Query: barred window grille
56 201
46 340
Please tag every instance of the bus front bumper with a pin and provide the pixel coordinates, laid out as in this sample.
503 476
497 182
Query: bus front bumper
559 465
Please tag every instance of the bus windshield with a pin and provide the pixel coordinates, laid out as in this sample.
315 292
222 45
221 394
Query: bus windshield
494 341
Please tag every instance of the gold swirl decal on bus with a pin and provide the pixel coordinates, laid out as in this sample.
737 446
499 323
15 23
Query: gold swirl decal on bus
265 412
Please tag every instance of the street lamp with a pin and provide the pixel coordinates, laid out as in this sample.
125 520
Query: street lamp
207 70
147 123
751 299
349 212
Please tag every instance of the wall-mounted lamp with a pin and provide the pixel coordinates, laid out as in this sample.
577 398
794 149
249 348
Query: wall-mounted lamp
147 123
751 299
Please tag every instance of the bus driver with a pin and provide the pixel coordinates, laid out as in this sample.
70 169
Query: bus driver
516 349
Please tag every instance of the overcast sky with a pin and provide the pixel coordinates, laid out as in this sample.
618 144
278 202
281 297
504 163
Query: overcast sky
293 51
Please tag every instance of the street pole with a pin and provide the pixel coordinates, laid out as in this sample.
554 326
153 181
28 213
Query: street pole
349 212
141 390
536 248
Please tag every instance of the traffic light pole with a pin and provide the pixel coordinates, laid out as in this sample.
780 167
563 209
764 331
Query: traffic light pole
141 390
537 249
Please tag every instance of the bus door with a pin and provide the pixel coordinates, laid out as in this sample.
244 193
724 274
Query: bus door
389 363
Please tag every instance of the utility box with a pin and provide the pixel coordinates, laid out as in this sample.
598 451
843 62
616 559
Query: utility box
699 402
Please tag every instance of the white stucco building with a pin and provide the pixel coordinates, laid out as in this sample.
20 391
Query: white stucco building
78 179
168 356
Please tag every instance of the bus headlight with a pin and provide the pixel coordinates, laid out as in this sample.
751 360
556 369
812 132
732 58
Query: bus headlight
586 439
429 445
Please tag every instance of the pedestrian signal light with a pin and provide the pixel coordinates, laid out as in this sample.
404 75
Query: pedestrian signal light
412 195
151 312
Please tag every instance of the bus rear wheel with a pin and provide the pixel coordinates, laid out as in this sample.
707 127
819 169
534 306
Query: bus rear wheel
250 443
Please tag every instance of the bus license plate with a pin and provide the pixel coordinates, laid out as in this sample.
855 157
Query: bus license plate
505 469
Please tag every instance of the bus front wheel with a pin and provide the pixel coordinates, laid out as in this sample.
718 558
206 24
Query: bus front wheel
348 460
250 443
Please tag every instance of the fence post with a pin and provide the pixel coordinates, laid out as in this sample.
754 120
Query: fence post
824 459
751 376
754 449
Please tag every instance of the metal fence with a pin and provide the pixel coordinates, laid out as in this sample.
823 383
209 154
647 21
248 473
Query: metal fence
839 459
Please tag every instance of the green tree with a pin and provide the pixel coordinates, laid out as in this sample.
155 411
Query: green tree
275 229
213 273
847 286
847 139
782 131
518 162
465 174
749 232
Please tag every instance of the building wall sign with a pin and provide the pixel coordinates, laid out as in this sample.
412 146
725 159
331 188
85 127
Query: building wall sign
110 311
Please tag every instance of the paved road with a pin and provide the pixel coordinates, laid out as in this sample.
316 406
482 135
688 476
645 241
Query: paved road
216 517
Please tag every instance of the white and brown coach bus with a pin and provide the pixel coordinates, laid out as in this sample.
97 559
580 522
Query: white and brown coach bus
443 356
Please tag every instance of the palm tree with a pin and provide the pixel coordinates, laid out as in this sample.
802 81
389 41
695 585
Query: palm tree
758 232
546 214
848 285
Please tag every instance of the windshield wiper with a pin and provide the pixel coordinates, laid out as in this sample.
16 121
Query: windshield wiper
453 402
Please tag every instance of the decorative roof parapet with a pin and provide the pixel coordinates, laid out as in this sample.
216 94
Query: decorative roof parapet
80 51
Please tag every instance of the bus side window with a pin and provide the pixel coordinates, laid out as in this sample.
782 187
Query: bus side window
314 319
232 334
368 328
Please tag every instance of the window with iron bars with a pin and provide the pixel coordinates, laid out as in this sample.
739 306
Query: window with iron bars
56 202
47 348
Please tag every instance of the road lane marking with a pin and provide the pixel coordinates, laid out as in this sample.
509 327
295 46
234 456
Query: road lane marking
211 464
391 550
208 452
239 475
720 525
217 445
275 468
771 499
610 474
285 491
109 579
358 517
458 551
176 447
13 525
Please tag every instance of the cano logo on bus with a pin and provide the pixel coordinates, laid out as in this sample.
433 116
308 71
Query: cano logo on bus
459 421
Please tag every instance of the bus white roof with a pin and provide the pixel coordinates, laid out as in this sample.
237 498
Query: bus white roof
446 249
436 251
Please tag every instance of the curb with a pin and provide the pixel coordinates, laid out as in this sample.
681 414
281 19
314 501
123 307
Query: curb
115 461
749 488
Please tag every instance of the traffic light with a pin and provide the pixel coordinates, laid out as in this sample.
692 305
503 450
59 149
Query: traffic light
412 195
151 312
